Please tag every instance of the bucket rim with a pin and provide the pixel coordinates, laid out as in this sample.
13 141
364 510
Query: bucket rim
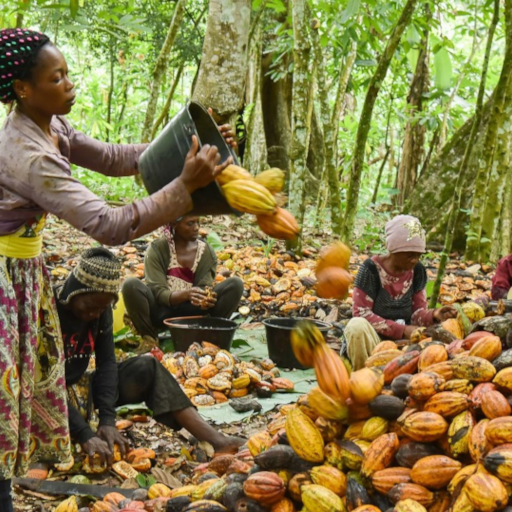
319 323
170 322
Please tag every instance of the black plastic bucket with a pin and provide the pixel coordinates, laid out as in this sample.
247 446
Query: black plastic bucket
187 330
278 332
164 159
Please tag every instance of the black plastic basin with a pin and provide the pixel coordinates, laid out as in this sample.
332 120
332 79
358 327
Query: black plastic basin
163 160
278 332
187 330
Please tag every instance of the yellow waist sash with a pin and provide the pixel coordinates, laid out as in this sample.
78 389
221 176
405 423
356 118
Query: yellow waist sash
26 243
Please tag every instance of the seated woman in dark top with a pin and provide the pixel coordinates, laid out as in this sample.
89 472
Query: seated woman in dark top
502 280
179 269
84 304
389 295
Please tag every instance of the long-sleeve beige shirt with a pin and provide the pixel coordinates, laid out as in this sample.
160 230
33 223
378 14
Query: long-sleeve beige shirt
35 177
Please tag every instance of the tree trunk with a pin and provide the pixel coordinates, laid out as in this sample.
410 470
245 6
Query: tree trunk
300 96
506 216
497 180
439 178
414 138
276 105
338 111
255 154
366 118
110 89
161 69
221 79
456 203
485 161
329 133
165 109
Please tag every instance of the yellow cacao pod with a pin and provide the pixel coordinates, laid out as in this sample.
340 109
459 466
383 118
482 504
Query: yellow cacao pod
331 478
249 197
320 499
69 505
232 173
304 437
271 179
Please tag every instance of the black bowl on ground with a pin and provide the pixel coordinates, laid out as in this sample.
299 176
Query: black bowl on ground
187 330
278 332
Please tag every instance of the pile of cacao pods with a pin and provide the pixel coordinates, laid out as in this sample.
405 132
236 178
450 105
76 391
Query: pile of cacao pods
209 375
273 284
260 196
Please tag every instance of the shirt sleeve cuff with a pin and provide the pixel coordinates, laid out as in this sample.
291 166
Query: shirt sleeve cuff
107 421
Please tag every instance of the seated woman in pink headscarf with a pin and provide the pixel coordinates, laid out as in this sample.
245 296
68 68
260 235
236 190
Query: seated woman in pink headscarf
390 301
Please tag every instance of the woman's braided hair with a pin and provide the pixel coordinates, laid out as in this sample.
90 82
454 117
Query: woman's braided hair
18 55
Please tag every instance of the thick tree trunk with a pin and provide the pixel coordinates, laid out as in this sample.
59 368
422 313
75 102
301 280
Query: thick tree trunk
366 118
414 138
255 155
456 202
438 182
506 218
161 68
276 105
221 80
300 96
485 162
496 181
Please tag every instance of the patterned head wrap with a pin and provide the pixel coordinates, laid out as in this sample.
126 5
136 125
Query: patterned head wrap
405 234
18 52
98 271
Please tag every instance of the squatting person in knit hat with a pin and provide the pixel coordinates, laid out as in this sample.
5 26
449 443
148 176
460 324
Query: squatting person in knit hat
389 296
84 304
37 148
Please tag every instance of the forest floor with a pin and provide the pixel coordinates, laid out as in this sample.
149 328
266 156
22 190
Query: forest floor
277 283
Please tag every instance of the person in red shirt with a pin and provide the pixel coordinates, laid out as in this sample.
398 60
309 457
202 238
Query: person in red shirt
390 301
502 280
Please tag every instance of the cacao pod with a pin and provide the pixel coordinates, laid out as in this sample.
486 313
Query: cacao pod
272 179
486 492
330 478
424 385
459 433
331 374
320 499
249 197
380 454
231 173
304 437
435 472
409 505
499 430
478 442
304 337
488 347
365 385
414 492
431 355
447 404
472 368
333 283
336 254
281 225
503 379
495 405
424 427
327 407
69 505
406 363
385 479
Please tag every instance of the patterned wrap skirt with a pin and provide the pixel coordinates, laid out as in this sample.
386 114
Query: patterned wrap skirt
33 400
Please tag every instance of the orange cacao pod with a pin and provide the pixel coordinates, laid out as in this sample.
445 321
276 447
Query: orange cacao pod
335 255
424 385
325 406
281 225
365 385
414 492
443 369
431 355
452 325
435 472
331 478
447 403
424 427
407 363
385 345
495 405
385 479
475 397
333 283
264 487
380 454
488 347
331 373
284 505
478 442
472 338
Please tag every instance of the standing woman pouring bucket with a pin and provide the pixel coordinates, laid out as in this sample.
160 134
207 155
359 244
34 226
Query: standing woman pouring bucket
37 148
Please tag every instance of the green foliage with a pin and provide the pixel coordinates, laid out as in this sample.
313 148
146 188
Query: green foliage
214 240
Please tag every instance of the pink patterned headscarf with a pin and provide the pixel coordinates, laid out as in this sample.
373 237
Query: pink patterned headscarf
404 233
